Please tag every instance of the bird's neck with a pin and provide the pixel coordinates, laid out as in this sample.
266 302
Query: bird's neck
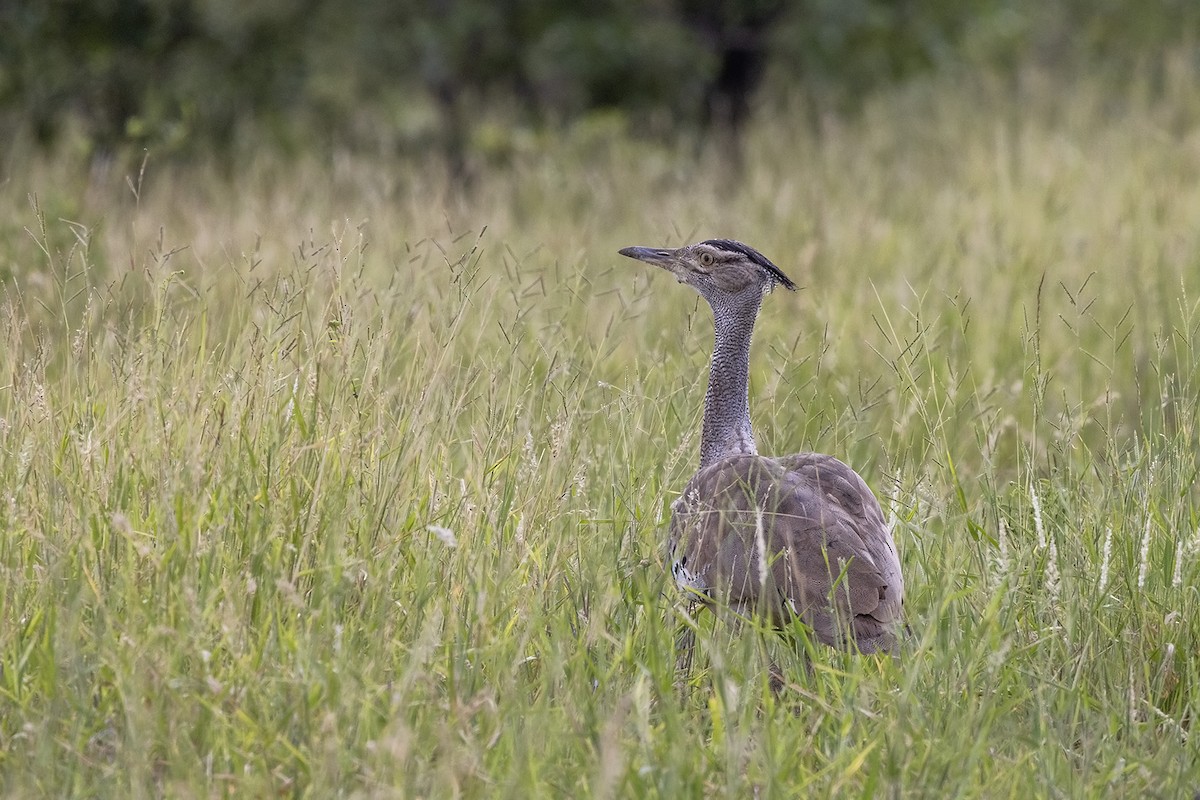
727 428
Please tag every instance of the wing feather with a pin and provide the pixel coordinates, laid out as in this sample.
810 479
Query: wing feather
799 535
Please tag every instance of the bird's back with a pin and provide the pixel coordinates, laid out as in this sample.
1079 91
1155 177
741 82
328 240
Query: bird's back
793 536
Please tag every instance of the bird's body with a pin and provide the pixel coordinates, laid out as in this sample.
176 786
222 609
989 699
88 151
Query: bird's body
790 537
793 537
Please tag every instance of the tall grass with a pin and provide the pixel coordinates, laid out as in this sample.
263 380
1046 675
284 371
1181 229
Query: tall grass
323 478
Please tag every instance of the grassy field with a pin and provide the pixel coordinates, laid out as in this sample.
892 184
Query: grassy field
319 478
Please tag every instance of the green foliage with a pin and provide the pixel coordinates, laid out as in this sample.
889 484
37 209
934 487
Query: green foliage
311 485
189 76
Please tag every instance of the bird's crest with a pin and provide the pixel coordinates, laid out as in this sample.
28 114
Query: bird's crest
749 252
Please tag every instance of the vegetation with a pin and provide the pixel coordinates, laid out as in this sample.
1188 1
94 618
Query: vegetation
192 76
322 477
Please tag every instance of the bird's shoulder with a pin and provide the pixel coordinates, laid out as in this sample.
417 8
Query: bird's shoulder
748 481
815 502
832 479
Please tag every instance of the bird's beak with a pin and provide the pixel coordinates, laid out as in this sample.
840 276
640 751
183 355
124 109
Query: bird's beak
651 255
659 257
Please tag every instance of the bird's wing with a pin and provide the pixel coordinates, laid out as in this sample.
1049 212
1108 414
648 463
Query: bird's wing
841 487
791 536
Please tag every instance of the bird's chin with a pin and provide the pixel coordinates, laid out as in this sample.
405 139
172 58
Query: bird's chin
678 276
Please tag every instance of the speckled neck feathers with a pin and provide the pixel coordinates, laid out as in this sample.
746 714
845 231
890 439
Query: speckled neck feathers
727 430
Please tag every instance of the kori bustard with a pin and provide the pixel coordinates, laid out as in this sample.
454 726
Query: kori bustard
796 536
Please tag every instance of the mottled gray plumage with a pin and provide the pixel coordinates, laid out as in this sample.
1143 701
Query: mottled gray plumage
798 536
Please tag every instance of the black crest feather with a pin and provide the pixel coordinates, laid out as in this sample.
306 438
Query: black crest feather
749 252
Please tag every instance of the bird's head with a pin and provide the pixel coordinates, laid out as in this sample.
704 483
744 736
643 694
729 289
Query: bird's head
720 269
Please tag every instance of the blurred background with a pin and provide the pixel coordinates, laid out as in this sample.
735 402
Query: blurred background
467 77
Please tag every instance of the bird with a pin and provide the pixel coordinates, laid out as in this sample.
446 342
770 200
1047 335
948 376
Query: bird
794 537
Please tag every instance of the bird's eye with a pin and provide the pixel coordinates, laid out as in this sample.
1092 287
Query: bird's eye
706 259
